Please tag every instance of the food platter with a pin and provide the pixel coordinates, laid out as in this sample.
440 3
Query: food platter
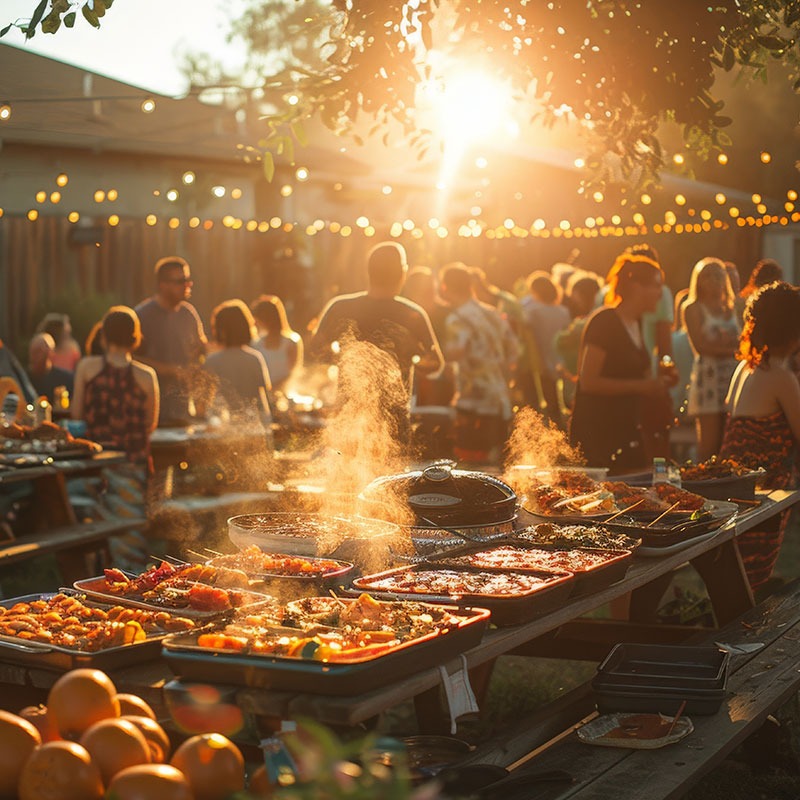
304 671
283 574
512 597
635 731
594 569
145 645
98 588
679 528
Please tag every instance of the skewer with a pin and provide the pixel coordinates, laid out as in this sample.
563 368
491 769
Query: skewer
170 559
213 552
676 717
663 514
624 510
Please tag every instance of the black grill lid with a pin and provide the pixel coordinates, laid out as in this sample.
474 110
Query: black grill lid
445 495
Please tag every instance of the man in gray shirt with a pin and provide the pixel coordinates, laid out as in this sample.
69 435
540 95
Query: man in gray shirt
173 339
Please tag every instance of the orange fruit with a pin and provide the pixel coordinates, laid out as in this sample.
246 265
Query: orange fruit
42 721
150 782
213 765
115 744
80 698
157 739
60 771
18 739
131 705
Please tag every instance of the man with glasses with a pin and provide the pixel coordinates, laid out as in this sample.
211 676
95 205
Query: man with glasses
173 339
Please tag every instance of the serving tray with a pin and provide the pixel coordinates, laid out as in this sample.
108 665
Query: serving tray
287 584
39 655
507 609
190 661
93 587
588 579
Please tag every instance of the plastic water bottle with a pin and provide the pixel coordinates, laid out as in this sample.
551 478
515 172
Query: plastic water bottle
660 473
281 767
43 411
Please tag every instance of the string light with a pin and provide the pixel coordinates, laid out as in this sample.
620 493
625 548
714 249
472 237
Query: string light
62 180
5 112
188 177
148 105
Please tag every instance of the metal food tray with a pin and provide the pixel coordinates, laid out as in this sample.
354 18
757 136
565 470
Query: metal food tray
593 579
664 535
740 487
39 655
89 587
285 582
506 610
192 662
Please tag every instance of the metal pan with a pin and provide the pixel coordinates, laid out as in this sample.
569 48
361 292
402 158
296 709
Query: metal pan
507 609
192 662
588 579
46 656
93 587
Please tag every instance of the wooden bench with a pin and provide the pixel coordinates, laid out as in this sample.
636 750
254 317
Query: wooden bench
759 683
70 543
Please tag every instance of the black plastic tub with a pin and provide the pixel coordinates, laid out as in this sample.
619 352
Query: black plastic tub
659 678
681 666
657 701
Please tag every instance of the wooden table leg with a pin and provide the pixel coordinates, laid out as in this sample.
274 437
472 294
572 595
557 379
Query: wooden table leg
645 600
432 716
725 578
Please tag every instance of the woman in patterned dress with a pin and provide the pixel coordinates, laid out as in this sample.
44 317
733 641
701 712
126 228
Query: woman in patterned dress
764 411
713 331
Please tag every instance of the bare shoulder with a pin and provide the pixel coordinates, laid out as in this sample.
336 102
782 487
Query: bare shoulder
89 366
143 373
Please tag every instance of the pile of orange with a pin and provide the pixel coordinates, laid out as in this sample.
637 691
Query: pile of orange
90 742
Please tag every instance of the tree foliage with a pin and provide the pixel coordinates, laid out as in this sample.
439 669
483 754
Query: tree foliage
618 68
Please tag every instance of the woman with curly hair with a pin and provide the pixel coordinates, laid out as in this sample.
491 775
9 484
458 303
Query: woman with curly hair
763 402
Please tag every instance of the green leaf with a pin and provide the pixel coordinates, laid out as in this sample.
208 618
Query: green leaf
288 150
69 19
90 17
299 132
268 165
722 122
51 23
6 29
37 16
728 58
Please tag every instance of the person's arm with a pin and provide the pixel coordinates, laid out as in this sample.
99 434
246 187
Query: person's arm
147 379
78 390
592 381
319 347
430 360
295 354
701 343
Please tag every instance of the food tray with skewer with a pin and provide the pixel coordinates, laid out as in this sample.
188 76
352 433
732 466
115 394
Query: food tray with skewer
65 630
195 590
512 597
412 637
283 574
675 528
594 568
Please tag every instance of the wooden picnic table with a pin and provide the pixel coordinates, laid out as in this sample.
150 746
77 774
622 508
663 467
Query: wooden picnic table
55 527
716 557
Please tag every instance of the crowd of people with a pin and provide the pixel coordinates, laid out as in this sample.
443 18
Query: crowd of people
612 359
